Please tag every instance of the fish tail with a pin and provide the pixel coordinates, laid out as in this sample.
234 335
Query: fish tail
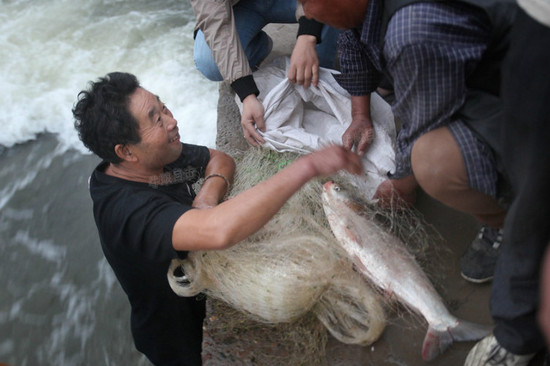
436 342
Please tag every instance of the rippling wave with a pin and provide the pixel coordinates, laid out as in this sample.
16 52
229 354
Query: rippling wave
51 49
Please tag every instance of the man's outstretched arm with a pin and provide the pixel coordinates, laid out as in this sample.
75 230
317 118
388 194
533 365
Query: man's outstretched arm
232 221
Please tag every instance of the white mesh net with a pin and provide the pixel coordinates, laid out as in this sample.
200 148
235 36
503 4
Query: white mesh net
290 267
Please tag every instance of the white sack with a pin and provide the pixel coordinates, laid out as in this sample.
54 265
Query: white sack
304 120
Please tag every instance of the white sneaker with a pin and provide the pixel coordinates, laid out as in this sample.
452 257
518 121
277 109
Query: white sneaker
489 352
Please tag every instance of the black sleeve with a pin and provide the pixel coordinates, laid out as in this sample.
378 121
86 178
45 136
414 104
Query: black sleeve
245 86
153 226
136 221
311 27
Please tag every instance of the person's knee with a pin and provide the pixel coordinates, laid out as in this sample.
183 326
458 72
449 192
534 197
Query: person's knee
204 61
435 163
208 68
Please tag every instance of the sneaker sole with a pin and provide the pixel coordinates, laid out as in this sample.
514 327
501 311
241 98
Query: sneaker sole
476 280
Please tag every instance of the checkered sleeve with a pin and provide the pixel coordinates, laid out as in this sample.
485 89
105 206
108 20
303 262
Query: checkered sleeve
359 76
429 64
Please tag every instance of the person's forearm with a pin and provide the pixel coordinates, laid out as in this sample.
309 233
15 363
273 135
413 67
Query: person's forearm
220 163
233 220
241 216
253 208
360 107
219 176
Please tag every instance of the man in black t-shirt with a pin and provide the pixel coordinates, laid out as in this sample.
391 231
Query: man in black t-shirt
135 221
147 213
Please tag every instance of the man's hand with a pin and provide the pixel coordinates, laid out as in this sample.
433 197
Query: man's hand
304 62
252 117
360 135
331 159
397 193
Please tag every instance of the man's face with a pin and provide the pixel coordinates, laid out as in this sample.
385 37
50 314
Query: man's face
160 140
341 14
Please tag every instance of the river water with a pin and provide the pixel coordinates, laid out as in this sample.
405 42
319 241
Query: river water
60 303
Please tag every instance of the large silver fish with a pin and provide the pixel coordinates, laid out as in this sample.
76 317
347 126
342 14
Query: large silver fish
384 259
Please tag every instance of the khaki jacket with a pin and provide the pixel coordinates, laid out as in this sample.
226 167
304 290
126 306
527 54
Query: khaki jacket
215 19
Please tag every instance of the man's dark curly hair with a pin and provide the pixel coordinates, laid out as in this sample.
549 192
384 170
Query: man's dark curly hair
102 118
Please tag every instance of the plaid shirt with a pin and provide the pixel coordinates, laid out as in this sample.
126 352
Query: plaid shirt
429 50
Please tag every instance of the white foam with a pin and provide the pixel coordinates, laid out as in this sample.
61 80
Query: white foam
51 49
46 249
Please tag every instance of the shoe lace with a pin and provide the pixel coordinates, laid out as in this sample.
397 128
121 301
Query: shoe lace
491 236
498 239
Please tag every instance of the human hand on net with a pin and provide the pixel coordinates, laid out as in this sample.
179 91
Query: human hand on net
332 159
359 135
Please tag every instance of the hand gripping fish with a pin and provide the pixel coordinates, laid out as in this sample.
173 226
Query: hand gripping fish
384 259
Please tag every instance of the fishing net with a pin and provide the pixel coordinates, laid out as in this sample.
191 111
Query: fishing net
293 265
231 337
291 272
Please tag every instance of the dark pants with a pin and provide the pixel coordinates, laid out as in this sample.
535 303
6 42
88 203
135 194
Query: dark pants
173 335
526 159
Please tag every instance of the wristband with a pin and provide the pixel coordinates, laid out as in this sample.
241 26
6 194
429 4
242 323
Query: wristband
310 27
227 184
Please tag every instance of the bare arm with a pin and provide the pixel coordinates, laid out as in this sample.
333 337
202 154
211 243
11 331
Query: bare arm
233 220
361 132
215 188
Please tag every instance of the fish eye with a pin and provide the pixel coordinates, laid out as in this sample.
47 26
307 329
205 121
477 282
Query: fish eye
337 188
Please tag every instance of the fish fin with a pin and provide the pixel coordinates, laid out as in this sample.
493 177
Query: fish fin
436 342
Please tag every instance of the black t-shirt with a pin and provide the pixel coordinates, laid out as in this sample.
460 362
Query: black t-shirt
135 222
